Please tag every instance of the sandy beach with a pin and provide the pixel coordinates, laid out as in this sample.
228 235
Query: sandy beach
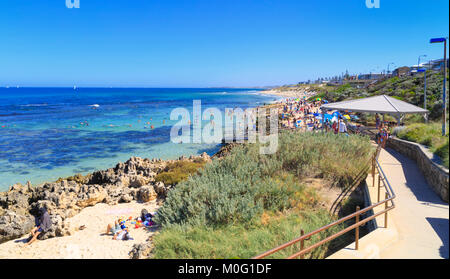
294 92
89 243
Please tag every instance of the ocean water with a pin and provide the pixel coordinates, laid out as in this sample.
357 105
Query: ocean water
47 133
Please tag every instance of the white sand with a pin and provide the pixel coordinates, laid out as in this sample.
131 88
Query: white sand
90 243
291 93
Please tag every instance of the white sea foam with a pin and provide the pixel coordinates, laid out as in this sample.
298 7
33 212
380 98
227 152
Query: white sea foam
34 105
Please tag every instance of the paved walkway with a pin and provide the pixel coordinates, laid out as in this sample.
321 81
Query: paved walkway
420 216
418 227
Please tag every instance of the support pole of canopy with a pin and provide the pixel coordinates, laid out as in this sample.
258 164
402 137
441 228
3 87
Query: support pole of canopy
398 117
323 120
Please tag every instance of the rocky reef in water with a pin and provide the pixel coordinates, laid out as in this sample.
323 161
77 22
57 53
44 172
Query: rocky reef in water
128 181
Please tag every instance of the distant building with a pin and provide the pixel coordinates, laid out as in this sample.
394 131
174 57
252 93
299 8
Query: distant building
436 65
371 76
402 71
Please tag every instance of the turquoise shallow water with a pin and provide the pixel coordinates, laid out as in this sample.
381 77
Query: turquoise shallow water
47 133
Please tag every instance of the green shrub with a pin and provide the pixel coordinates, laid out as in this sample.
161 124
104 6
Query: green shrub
245 183
178 171
430 135
79 178
442 152
221 212
231 242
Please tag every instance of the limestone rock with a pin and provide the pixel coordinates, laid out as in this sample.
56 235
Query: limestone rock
93 196
127 181
141 251
160 189
13 225
146 194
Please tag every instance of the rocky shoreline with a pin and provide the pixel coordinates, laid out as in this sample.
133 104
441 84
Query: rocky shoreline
133 180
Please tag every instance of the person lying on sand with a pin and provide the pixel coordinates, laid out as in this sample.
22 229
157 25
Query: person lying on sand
122 235
118 226
119 231
44 226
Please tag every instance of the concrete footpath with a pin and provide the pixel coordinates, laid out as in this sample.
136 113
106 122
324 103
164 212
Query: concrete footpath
418 227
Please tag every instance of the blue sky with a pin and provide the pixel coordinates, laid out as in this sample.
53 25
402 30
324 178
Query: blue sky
203 43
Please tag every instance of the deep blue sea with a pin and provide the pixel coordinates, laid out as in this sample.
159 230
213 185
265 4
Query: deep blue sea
47 133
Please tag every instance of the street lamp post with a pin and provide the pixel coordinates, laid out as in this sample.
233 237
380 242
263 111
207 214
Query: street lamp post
388 67
444 100
418 61
424 70
425 94
425 85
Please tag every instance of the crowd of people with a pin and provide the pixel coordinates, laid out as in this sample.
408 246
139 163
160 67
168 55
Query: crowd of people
301 114
306 116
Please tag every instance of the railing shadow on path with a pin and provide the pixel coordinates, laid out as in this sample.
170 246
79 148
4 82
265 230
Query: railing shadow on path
440 226
415 180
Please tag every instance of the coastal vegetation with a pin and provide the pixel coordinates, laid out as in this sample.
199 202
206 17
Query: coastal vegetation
178 171
79 178
409 89
246 203
429 135
406 88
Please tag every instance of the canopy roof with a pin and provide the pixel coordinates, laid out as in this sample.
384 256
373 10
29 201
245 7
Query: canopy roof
376 104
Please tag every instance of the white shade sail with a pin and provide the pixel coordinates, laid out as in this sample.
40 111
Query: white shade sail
376 104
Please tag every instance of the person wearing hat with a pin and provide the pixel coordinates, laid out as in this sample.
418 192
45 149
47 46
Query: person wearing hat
342 126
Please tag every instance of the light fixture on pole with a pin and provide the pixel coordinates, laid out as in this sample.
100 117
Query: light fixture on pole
424 71
388 67
444 100
418 61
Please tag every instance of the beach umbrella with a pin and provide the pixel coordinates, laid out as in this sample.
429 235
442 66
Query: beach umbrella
319 99
327 116
347 117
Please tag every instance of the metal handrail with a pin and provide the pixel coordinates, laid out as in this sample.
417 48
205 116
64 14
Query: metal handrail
389 197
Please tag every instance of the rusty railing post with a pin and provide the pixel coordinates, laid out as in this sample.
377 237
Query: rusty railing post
357 230
386 214
302 244
373 171
379 187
